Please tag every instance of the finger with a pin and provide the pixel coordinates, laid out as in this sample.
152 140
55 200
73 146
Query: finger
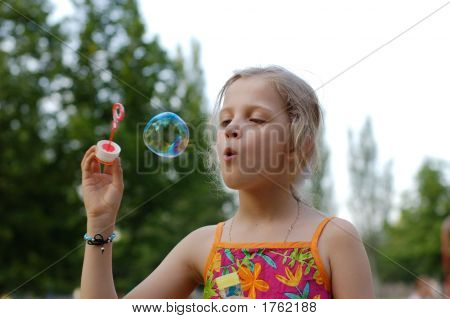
117 173
108 169
95 166
89 151
86 170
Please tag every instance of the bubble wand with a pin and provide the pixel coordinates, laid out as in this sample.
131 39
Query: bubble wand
107 151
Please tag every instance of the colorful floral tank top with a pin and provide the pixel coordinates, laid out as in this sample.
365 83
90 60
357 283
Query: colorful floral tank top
270 270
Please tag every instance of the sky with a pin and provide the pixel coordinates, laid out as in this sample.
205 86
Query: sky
388 60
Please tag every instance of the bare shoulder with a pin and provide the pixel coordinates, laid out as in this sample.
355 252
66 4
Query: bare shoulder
340 230
198 245
348 261
338 235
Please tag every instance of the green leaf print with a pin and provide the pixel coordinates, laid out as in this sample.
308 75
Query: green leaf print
308 268
306 291
269 260
300 295
245 251
291 263
248 263
294 253
303 256
292 295
229 255
209 292
299 256
225 271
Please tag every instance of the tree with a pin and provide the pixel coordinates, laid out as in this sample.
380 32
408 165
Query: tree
31 200
412 242
106 59
371 191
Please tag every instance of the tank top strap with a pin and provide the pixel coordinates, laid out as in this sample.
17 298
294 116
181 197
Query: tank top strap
218 233
319 230
316 254
212 251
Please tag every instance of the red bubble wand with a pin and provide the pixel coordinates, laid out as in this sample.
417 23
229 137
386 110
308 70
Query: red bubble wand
107 150
118 112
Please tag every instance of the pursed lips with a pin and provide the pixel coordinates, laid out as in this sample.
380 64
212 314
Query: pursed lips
229 154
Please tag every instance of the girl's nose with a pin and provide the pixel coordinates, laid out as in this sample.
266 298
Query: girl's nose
232 131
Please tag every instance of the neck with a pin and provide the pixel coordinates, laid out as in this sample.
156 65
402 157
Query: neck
266 204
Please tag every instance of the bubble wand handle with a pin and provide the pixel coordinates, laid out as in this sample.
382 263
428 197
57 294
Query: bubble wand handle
118 112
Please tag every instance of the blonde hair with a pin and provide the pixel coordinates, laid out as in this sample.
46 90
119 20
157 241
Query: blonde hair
303 109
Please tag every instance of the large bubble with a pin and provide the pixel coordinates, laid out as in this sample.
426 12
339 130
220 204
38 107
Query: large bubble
166 134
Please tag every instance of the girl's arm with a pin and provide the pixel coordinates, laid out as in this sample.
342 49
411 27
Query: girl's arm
102 195
96 276
176 276
179 273
350 268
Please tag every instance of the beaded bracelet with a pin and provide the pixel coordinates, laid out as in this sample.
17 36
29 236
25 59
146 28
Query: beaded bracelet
98 240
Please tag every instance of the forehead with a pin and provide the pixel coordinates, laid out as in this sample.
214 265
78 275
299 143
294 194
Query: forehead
252 93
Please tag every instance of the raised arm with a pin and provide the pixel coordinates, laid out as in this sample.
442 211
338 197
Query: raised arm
178 274
102 194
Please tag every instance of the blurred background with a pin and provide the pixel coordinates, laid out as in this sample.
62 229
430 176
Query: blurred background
380 69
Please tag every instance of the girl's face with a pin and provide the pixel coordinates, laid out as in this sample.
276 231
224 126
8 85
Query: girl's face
254 125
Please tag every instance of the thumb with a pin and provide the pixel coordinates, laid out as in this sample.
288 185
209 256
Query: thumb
117 173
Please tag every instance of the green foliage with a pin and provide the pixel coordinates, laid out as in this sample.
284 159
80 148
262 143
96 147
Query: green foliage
55 102
371 190
413 241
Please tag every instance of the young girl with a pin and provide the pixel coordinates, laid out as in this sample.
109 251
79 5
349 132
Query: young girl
277 245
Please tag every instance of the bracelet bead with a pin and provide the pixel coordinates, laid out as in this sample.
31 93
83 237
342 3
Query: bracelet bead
98 240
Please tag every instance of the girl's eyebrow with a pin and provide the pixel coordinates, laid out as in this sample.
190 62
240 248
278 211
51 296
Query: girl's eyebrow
251 107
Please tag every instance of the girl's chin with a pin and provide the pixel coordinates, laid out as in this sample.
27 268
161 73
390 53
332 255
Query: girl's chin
239 182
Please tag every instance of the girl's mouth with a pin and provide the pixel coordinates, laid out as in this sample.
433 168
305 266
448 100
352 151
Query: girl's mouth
229 157
229 154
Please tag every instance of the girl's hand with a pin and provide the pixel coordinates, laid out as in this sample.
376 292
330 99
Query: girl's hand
102 192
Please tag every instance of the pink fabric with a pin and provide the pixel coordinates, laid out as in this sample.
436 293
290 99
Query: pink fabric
280 272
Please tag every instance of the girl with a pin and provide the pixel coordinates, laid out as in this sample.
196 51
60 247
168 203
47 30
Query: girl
277 245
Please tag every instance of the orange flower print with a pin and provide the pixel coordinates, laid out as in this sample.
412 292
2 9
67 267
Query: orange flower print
216 262
250 281
291 280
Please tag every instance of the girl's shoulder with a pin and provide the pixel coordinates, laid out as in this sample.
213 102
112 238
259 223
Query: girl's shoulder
330 226
338 230
328 235
347 259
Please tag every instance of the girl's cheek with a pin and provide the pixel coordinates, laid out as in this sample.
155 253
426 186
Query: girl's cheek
219 140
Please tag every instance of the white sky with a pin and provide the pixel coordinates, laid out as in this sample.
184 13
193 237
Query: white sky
404 87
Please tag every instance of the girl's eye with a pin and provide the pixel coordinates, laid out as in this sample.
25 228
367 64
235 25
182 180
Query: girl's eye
257 121
224 123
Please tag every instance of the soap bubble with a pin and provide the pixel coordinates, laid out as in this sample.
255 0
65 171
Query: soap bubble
166 134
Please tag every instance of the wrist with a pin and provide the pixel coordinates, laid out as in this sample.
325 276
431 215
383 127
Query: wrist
100 226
